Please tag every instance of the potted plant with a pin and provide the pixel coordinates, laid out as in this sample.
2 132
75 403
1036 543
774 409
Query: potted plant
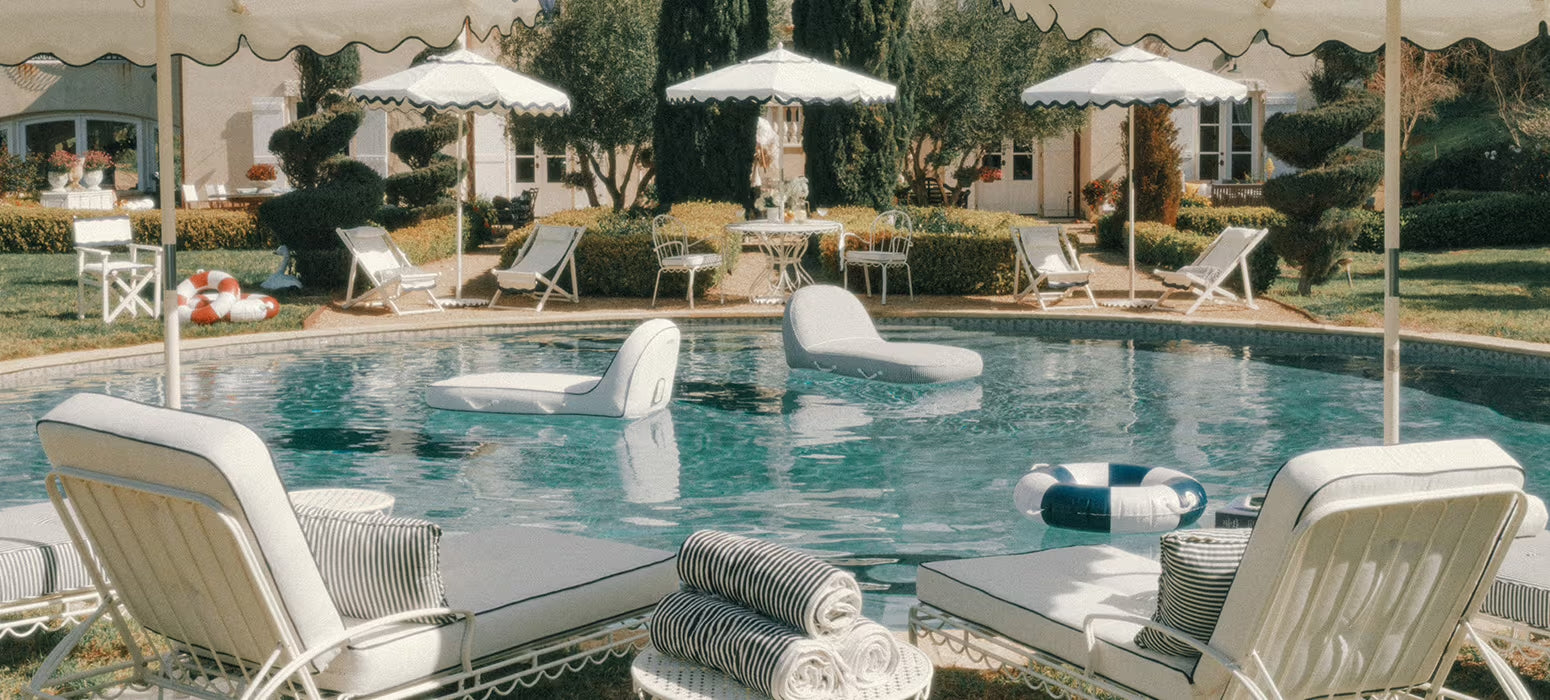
1098 194
94 164
989 174
263 175
60 163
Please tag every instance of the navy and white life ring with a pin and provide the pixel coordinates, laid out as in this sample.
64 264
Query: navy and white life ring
1107 497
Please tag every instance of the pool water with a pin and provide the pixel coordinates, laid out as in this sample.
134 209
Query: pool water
878 477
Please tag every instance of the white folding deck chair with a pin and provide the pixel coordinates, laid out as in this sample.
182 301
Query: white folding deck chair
670 241
100 245
388 271
190 523
1204 277
190 195
544 257
1360 577
1047 254
875 250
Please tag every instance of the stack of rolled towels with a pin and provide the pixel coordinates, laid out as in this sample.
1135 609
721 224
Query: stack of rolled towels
776 620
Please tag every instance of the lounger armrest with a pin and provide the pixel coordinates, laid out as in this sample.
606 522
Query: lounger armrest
271 688
1089 628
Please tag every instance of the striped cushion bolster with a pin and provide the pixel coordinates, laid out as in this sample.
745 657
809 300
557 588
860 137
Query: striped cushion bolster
725 636
1514 600
43 570
374 565
777 581
1198 567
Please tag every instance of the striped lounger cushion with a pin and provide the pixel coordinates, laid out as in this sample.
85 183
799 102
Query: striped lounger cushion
1521 591
1198 567
767 656
784 584
375 565
36 556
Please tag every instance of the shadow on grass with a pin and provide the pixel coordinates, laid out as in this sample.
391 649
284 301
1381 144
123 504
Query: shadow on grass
1525 272
1537 301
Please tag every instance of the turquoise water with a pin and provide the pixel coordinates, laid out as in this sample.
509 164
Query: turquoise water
878 476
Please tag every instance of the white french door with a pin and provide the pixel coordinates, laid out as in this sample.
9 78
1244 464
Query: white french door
1226 143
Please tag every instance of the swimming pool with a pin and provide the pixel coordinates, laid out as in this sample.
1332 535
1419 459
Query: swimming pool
878 476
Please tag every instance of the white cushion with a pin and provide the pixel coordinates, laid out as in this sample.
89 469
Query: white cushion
524 585
875 257
699 260
1521 591
374 565
1042 599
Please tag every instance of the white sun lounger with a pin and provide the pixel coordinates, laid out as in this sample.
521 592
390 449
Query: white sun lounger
827 329
386 269
43 584
1517 611
1051 261
1204 278
544 257
193 529
1360 576
637 382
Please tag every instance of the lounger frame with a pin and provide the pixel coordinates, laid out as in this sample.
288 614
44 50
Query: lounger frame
189 666
547 280
388 284
23 618
1063 281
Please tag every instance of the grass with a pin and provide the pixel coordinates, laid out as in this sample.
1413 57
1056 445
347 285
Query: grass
1462 125
1499 292
37 304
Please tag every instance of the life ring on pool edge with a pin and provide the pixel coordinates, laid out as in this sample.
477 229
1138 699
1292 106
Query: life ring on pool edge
197 306
1107 497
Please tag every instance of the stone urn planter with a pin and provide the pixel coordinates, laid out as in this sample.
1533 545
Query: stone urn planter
57 179
264 186
92 179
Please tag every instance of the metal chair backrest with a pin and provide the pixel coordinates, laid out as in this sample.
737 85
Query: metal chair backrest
669 237
1366 563
898 230
102 232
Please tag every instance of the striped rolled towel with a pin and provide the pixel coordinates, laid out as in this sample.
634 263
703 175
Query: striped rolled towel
870 653
782 583
758 652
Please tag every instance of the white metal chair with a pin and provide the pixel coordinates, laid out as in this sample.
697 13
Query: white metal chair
387 270
191 525
674 251
1051 261
107 257
887 244
1204 278
544 257
1360 579
216 194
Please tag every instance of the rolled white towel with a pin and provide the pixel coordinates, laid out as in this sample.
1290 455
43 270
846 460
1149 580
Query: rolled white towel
782 583
765 655
870 653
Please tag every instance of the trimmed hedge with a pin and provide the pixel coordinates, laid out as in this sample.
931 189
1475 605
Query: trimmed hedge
1302 139
1494 220
1345 181
615 257
40 230
1213 219
955 251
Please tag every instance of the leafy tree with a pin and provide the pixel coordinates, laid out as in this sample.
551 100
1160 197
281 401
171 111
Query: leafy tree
971 66
705 151
321 75
854 152
603 53
1159 180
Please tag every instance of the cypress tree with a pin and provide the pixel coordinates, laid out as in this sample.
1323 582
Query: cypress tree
705 151
854 152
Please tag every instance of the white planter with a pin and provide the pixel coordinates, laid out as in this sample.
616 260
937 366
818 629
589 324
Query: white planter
58 180
91 179
774 214
265 185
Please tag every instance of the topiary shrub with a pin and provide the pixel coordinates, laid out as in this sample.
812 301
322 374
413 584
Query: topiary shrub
1347 181
1159 180
1317 250
348 194
425 186
1304 139
304 145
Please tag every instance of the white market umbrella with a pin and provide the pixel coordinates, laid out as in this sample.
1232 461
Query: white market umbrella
151 32
1298 27
1132 77
464 83
784 78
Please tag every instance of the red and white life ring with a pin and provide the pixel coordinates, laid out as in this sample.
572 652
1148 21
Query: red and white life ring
197 306
254 307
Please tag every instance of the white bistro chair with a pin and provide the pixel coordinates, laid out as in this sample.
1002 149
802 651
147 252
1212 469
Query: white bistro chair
880 252
670 241
107 257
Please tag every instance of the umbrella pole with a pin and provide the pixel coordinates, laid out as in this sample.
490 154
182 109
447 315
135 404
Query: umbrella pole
168 182
1130 195
458 235
1392 94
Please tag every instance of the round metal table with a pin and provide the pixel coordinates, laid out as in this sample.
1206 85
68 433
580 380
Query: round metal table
783 244
662 677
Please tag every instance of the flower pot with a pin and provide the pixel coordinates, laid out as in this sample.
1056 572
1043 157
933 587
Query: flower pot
58 179
265 186
91 179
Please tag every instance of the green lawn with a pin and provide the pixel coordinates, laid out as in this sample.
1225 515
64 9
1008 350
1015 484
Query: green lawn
1499 292
38 311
